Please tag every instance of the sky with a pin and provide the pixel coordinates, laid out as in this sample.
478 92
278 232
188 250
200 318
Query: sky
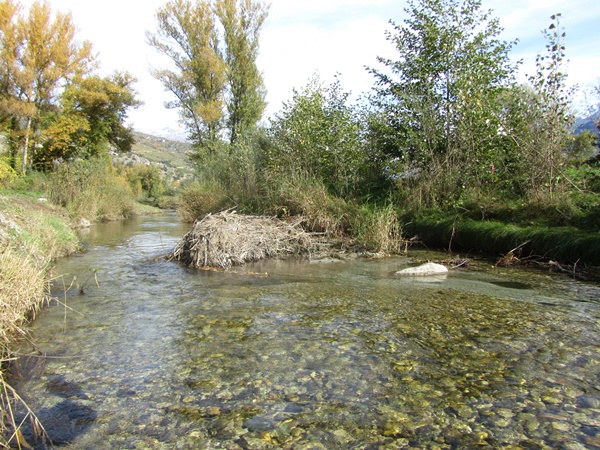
325 37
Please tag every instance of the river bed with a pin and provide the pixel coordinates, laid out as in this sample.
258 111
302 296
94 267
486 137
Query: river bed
143 353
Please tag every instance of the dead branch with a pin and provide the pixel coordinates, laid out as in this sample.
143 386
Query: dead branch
228 239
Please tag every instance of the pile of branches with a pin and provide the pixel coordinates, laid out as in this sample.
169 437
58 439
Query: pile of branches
226 239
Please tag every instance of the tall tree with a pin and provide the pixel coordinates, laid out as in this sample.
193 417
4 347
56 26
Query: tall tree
440 93
213 47
187 34
242 21
44 57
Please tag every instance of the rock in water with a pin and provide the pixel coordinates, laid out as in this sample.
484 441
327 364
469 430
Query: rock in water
424 270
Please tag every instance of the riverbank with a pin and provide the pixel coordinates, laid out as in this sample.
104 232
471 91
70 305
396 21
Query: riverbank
33 233
566 244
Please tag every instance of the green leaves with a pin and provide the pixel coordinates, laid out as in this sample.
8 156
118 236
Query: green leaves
216 84
545 148
318 134
441 91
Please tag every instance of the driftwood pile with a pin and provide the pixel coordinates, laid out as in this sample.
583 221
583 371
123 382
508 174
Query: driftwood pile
226 239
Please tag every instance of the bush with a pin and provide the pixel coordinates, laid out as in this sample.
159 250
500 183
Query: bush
7 173
146 181
167 202
198 199
89 189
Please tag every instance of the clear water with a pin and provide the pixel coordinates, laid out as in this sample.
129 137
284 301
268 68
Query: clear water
291 354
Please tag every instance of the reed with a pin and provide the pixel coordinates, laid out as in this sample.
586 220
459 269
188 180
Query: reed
309 198
32 233
24 289
378 229
198 199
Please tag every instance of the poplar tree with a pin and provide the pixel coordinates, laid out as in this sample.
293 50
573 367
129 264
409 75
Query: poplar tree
213 47
187 34
242 21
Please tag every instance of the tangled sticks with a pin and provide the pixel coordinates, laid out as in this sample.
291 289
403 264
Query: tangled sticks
226 239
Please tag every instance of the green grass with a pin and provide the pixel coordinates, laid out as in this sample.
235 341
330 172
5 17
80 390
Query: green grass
37 225
566 244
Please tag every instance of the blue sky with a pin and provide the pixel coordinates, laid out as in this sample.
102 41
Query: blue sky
302 37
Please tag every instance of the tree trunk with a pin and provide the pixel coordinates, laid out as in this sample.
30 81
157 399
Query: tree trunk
26 146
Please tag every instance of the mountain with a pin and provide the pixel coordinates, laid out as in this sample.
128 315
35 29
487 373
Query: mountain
172 156
588 123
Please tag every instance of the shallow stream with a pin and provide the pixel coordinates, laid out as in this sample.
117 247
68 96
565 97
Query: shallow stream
146 354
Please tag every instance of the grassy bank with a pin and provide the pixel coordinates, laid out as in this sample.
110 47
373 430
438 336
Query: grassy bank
33 233
566 244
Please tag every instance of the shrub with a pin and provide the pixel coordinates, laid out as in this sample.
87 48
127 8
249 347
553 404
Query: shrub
90 189
7 173
199 199
146 181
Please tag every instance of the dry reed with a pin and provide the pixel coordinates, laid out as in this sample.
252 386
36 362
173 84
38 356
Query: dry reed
23 289
226 239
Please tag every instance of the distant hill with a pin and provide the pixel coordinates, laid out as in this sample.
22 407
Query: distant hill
588 123
172 156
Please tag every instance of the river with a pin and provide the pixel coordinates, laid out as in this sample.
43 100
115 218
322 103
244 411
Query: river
143 353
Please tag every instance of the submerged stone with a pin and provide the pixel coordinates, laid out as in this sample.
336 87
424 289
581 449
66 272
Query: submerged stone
424 270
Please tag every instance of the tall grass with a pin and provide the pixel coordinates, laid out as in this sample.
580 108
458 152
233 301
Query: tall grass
308 197
91 189
32 234
23 290
198 199
24 282
378 228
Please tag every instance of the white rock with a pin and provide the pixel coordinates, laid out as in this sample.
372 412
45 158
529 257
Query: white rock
424 270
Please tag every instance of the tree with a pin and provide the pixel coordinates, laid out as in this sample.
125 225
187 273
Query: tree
187 34
43 57
213 48
242 21
441 93
91 117
537 118
554 105
318 134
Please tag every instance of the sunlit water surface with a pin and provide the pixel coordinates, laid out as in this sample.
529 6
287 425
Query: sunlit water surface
292 354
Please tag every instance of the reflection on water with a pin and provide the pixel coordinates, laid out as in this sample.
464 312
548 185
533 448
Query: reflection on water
340 355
